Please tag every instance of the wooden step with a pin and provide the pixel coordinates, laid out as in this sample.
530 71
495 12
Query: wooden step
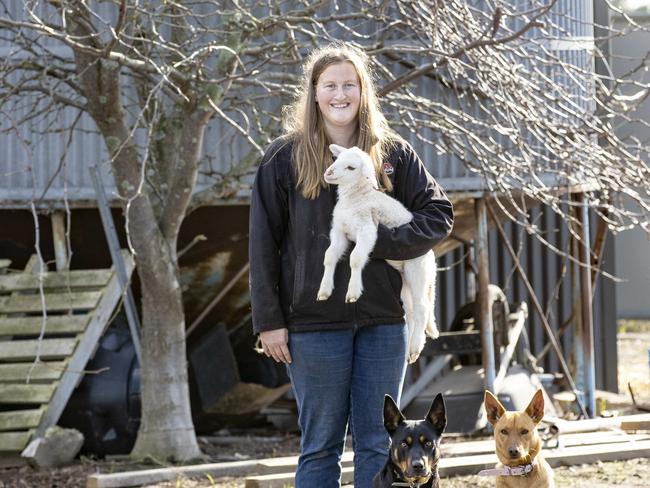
66 279
26 394
14 441
55 324
26 350
20 419
54 302
20 372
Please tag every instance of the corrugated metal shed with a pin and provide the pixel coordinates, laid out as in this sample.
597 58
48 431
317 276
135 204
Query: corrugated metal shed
30 167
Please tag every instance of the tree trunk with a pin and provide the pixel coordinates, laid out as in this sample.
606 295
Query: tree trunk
166 428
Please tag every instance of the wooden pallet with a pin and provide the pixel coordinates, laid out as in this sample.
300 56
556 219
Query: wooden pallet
37 377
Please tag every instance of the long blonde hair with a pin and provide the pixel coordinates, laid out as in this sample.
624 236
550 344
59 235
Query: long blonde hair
303 120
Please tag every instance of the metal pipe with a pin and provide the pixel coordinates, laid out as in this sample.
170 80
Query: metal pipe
587 317
485 310
576 303
114 248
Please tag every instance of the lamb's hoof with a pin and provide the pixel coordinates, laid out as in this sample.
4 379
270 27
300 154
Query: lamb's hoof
322 296
413 357
433 333
415 347
351 298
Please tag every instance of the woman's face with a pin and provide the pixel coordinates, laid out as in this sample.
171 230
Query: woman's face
338 95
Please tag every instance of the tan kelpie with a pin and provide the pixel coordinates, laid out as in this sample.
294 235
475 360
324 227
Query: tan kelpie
518 446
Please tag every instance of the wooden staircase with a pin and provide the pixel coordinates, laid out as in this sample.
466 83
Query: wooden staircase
43 355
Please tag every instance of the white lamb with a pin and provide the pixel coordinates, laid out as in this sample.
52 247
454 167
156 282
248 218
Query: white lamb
360 208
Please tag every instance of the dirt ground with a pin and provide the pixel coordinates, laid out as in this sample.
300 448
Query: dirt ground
242 444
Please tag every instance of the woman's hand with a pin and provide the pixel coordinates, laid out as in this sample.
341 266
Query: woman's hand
275 344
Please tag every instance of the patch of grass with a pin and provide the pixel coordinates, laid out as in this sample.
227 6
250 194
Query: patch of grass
633 325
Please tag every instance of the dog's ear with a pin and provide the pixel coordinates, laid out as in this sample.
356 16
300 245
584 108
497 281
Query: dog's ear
392 415
493 407
437 415
535 409
336 149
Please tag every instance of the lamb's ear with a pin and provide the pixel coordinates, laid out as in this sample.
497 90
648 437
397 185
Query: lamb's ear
336 149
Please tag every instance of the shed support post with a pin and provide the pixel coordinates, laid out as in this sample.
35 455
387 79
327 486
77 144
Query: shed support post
585 330
59 240
485 312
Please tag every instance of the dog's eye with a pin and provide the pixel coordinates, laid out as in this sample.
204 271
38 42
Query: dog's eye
524 431
504 432
404 444
351 168
428 444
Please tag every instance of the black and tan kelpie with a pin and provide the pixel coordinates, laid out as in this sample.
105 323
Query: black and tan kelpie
414 447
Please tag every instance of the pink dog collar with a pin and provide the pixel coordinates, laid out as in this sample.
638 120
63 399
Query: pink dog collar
507 471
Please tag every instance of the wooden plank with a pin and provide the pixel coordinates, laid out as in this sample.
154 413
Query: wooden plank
635 424
11 460
87 344
54 302
27 349
568 456
216 470
150 476
600 423
469 448
62 279
278 470
469 465
282 480
55 324
23 394
47 370
14 441
20 419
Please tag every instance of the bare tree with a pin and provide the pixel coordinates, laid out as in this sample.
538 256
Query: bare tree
499 95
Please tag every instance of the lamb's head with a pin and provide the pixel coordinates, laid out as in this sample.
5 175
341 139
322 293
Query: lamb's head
353 167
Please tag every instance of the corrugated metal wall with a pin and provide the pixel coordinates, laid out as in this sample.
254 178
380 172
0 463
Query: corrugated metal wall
31 163
550 276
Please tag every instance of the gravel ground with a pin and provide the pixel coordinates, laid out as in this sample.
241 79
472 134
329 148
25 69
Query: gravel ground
633 346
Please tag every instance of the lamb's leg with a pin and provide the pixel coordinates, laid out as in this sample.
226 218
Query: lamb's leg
365 243
432 269
338 244
407 301
415 278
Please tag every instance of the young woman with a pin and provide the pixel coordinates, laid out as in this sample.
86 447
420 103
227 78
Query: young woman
342 358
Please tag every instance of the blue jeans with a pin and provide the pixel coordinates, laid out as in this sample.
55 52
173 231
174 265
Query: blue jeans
339 376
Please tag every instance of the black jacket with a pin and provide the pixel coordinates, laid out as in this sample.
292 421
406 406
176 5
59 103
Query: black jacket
289 235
